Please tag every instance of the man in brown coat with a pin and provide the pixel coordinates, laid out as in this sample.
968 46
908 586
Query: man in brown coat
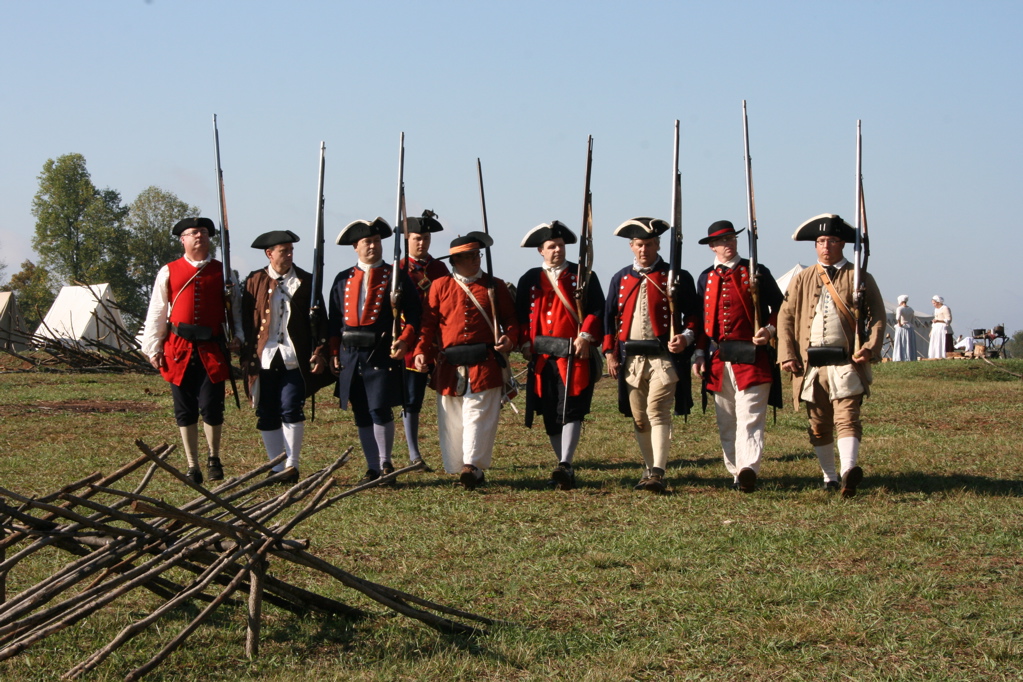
284 361
817 344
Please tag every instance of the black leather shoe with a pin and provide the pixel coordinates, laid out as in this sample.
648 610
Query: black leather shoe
291 476
195 475
389 469
426 467
214 470
563 477
371 475
655 484
850 480
747 480
470 477
831 486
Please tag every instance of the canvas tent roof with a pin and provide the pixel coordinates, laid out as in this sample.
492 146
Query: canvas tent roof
85 314
13 330
783 280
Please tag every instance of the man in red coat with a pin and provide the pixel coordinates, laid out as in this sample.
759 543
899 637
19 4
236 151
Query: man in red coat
184 339
423 269
552 333
468 328
741 373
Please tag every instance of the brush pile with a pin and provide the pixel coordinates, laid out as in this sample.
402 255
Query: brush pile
226 539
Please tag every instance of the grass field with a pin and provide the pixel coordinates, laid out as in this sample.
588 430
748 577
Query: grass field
918 577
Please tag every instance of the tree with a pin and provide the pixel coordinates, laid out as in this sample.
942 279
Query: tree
34 289
76 224
150 244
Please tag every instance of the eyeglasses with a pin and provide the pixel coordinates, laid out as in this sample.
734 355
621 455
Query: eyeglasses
196 232
829 241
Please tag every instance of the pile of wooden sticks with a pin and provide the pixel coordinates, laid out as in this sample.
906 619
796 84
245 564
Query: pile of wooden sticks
226 539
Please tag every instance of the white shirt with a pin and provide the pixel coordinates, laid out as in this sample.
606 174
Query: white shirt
280 315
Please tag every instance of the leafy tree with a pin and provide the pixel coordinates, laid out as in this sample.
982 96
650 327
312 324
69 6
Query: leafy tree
149 244
77 225
35 291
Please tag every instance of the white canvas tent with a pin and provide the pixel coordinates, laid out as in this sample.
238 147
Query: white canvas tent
85 315
13 330
783 280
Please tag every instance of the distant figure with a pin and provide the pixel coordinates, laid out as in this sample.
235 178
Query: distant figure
941 329
965 344
904 346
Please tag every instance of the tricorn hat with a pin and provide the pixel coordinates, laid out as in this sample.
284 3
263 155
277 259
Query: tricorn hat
268 240
189 223
472 241
718 229
547 231
428 223
825 225
642 228
360 229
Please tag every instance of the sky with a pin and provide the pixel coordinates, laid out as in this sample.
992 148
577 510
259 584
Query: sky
133 87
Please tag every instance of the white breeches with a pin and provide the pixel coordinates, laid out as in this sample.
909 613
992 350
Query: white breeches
467 427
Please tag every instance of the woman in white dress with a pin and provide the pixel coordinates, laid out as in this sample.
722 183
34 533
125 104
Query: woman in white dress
904 345
941 329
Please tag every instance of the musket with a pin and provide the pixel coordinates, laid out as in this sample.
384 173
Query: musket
400 223
584 267
486 227
861 249
675 248
316 301
225 247
501 359
751 217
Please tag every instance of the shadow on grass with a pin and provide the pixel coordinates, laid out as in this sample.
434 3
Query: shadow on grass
919 482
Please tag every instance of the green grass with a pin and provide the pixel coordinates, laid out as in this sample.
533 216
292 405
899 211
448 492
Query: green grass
918 577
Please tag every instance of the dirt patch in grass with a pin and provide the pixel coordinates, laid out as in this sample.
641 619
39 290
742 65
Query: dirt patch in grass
78 407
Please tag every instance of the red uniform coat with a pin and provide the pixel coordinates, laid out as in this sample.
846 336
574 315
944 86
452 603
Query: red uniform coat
197 300
422 273
728 316
450 318
542 313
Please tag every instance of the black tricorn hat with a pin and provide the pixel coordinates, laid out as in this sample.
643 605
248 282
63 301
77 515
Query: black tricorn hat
189 223
428 223
718 229
360 229
642 228
268 240
547 231
825 225
472 241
